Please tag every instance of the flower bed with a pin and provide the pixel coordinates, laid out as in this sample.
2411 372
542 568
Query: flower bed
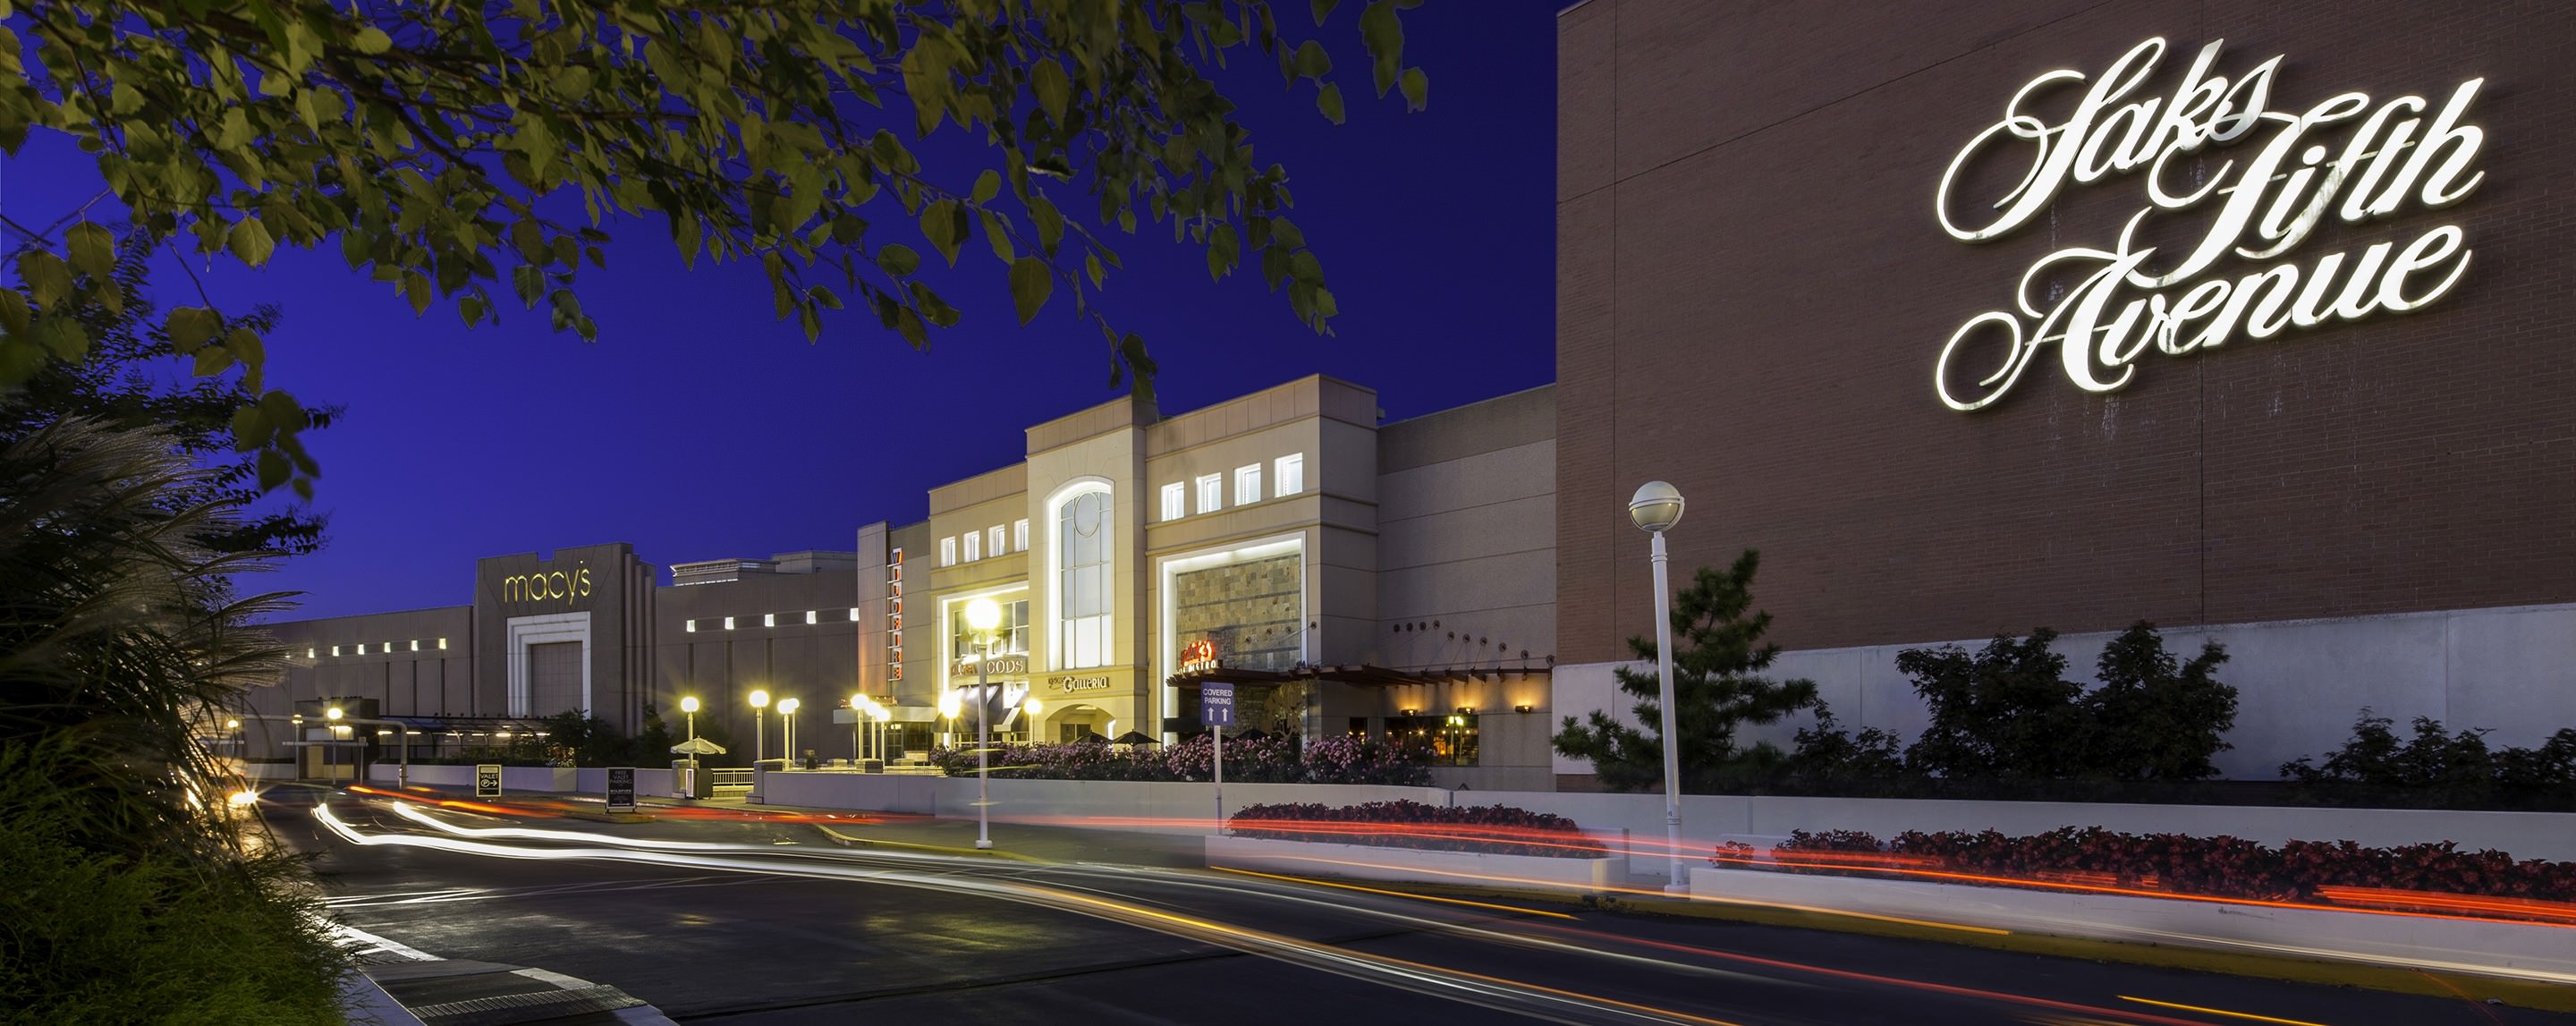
1481 829
2423 877
1268 760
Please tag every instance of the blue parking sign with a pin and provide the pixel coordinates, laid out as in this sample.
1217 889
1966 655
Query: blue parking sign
1216 704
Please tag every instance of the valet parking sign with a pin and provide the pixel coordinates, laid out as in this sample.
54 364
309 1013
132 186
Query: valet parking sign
2347 157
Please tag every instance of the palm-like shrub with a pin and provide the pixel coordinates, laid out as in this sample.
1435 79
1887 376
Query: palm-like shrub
120 637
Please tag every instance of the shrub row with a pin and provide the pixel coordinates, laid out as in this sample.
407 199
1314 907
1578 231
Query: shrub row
2224 867
1278 759
1483 829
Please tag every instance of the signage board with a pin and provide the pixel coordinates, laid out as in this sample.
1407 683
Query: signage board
1198 655
1216 704
1077 684
997 666
2212 253
487 780
621 789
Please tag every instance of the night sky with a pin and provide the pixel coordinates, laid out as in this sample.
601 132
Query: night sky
699 427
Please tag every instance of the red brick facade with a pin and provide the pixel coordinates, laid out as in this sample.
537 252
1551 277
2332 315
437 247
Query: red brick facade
1753 289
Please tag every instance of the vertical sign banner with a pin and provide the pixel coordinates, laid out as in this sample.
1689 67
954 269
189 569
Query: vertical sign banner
894 614
487 780
621 789
1216 704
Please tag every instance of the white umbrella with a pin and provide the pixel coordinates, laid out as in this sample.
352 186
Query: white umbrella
698 746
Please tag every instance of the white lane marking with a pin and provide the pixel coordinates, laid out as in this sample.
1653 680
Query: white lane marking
381 945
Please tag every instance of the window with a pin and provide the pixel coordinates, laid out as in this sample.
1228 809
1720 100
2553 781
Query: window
769 619
1020 535
1084 586
690 626
810 617
993 540
1176 499
948 551
1291 476
1211 493
1247 485
728 623
974 542
1010 638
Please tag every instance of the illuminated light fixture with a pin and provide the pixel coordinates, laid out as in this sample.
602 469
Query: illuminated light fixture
245 797
810 617
415 644
769 619
332 714
1521 708
232 724
689 704
854 614
1033 706
442 644
308 653
1466 710
1412 712
335 651
728 623
362 648
690 626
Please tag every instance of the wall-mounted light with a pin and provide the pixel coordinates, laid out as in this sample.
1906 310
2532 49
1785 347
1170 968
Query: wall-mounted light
1412 712
1466 710
1520 708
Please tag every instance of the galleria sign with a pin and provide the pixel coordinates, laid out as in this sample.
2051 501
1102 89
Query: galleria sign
2346 156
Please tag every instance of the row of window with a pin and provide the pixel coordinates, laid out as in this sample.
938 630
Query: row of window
1288 477
388 648
989 541
812 617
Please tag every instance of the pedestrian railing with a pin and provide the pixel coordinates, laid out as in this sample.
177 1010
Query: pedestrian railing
721 780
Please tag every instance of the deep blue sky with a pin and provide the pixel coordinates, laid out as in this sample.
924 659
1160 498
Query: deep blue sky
699 427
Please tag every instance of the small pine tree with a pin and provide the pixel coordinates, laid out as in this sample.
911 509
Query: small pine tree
1718 655
2155 718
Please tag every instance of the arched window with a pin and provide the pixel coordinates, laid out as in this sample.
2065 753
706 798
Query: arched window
1084 594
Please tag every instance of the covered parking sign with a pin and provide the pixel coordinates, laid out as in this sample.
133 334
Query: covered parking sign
1216 704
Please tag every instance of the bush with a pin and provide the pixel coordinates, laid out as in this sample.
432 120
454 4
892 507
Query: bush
2458 767
1277 759
1483 829
2221 867
2008 711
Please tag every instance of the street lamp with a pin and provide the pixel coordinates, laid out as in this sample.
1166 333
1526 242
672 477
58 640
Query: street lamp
883 716
330 749
787 722
949 707
689 705
1655 509
759 732
982 616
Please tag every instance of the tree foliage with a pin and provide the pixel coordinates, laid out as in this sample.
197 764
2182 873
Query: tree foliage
476 153
1718 656
133 377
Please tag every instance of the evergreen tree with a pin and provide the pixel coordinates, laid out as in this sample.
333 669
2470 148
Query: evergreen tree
2007 711
1718 656
2155 718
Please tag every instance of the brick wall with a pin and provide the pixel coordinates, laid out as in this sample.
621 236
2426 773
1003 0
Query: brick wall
1753 289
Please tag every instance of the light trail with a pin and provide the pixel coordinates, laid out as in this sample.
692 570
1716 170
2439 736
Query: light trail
1396 894
1512 996
2220 1011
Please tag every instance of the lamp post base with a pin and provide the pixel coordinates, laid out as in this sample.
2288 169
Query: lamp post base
982 844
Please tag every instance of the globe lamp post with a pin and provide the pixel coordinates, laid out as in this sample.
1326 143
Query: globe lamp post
1655 509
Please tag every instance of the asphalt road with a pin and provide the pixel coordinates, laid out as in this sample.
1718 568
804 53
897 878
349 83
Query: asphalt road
807 931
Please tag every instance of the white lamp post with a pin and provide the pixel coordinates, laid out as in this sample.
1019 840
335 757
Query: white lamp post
759 739
883 716
1656 508
982 616
787 726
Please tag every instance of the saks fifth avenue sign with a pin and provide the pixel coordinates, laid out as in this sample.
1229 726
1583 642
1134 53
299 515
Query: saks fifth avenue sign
2347 156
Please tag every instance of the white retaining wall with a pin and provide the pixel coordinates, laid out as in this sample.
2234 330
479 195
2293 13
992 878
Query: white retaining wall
2299 683
1415 865
2531 951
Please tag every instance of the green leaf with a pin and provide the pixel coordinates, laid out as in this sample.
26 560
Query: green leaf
987 186
897 259
250 242
1050 222
1221 254
940 223
246 346
61 336
372 41
93 249
212 360
1384 34
573 82
1329 100
1417 89
48 279
14 315
274 470
1053 89
1312 61
999 237
1030 284
250 430
192 326
1324 9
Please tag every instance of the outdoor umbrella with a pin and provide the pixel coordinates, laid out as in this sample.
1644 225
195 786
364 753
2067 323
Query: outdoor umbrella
1133 738
697 746
1091 737
1255 734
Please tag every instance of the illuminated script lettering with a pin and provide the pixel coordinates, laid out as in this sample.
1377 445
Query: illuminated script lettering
2347 157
